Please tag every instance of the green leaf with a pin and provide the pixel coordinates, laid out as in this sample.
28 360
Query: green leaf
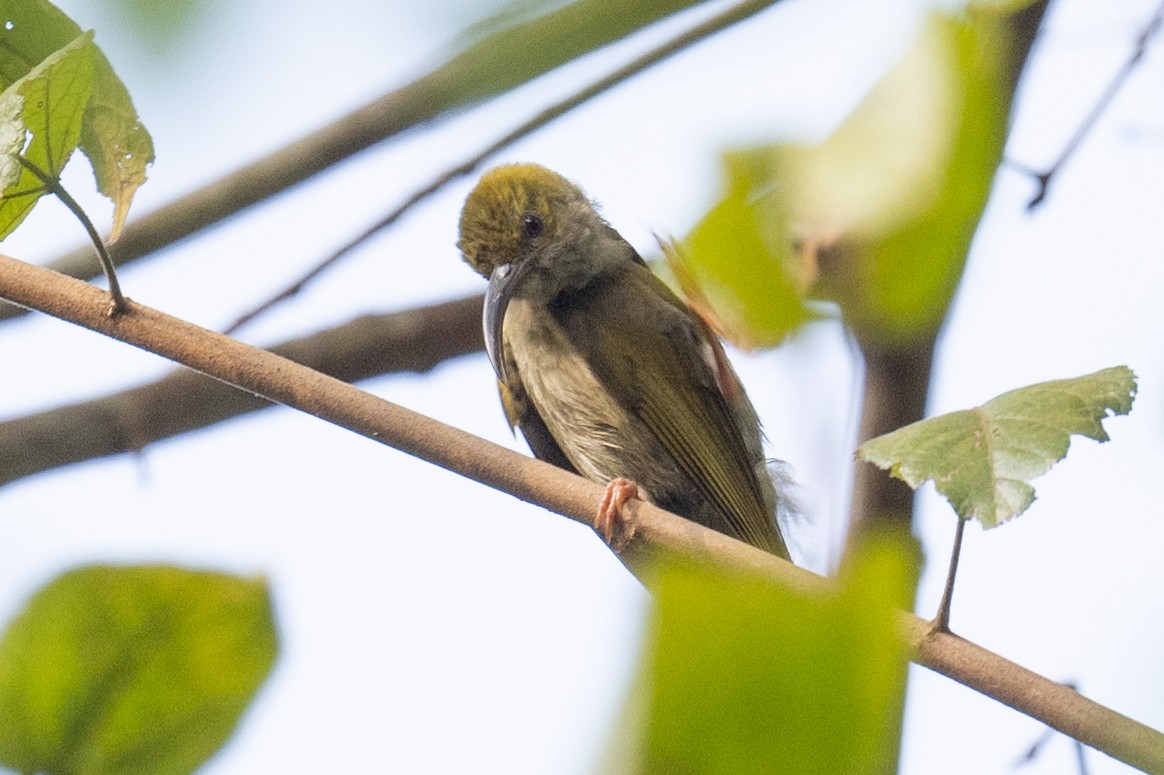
983 459
131 670
744 676
734 267
30 31
111 136
54 95
912 270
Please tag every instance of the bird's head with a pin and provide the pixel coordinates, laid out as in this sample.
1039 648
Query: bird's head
514 212
518 218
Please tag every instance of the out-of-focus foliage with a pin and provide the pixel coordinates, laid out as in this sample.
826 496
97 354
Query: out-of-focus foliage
878 218
741 281
537 42
744 676
131 670
159 25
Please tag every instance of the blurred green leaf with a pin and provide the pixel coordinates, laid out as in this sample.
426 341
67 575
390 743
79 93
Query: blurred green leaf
883 211
111 136
983 459
748 677
160 26
131 670
899 188
734 266
513 55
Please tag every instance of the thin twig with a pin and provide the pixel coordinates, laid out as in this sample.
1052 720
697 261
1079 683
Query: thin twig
1043 179
941 621
52 184
697 33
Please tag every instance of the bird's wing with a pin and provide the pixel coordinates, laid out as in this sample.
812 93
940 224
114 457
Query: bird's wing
657 359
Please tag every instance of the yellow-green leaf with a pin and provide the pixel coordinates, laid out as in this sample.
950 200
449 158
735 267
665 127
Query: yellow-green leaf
900 186
54 95
131 670
116 142
734 267
743 676
982 460
882 212
111 136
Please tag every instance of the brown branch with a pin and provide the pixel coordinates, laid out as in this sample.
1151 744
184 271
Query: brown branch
658 532
411 341
897 382
720 21
1043 179
486 68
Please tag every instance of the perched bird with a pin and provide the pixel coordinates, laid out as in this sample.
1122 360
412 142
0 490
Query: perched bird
606 372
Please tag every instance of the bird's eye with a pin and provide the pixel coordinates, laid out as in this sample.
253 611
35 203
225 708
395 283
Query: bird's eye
531 225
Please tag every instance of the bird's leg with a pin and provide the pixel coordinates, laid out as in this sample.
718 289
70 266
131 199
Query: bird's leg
612 521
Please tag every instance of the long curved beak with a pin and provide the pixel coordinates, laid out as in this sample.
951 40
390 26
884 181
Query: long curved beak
503 283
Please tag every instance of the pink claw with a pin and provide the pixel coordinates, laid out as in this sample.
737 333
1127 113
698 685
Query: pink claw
612 519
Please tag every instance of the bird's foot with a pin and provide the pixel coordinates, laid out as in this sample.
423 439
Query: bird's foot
615 525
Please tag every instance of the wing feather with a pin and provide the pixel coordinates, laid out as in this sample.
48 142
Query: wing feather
650 356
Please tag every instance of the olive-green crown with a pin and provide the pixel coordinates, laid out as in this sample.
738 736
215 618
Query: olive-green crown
492 219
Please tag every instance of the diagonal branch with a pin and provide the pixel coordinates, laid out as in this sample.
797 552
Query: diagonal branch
658 532
410 341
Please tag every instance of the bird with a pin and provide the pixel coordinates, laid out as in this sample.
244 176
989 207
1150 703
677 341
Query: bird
606 372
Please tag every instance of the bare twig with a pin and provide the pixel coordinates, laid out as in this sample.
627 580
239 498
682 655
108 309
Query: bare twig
733 15
413 340
52 184
1043 179
657 532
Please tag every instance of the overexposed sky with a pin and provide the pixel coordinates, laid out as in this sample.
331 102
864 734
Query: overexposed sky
430 625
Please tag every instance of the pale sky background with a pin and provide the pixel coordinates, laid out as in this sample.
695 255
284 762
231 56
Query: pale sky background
430 625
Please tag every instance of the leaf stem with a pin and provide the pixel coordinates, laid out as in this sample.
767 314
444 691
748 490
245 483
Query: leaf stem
941 621
53 185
